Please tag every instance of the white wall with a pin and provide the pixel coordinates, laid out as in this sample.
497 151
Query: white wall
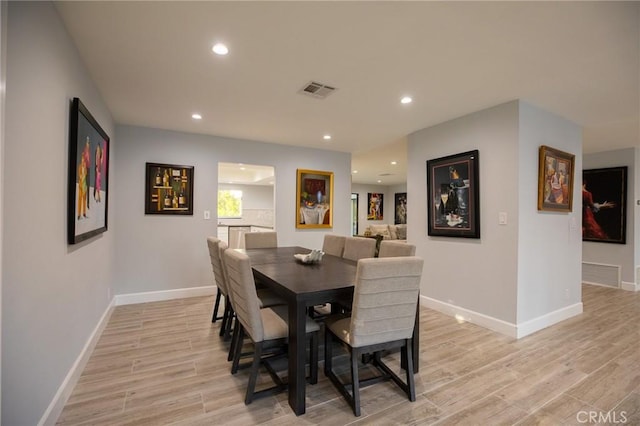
53 294
474 274
3 80
156 252
549 243
615 254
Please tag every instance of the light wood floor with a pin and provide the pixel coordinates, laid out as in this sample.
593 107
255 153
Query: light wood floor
163 363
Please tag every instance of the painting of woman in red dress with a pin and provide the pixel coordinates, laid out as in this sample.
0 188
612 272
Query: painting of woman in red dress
590 226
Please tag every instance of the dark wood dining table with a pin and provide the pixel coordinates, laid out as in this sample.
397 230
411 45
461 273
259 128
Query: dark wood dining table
302 286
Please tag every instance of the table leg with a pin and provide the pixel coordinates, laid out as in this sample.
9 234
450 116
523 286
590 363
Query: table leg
297 356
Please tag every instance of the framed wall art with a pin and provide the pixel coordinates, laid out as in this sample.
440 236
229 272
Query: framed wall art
376 206
168 189
453 196
400 208
555 180
88 191
604 205
314 199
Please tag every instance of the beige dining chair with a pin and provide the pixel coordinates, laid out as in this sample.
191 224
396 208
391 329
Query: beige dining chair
396 248
333 244
266 328
382 317
256 240
212 244
356 248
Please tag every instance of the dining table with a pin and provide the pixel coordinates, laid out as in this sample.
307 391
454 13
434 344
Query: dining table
304 285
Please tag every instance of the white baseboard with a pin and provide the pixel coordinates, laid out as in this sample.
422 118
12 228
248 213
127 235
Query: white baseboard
477 318
544 321
630 286
50 416
157 296
509 329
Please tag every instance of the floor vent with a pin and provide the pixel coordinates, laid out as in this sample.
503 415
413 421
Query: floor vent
317 90
601 274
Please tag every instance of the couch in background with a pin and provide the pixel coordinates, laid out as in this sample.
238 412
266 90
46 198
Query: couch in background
388 232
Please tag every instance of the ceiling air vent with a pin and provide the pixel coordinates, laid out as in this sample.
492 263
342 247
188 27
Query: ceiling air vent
317 90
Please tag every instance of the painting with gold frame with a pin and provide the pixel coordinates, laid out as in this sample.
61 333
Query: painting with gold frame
314 199
555 180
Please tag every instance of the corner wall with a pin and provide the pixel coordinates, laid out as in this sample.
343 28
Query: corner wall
471 275
53 294
156 252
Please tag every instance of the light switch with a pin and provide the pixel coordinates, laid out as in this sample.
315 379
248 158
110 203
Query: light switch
207 215
502 218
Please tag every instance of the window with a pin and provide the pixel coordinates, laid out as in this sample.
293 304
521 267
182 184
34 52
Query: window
229 203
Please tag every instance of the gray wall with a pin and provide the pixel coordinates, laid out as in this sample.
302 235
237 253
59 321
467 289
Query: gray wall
253 196
53 294
460 271
615 254
157 252
549 243
3 74
363 204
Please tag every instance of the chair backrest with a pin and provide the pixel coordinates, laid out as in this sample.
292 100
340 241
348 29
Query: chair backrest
333 244
243 289
222 247
395 249
255 240
356 248
216 264
385 300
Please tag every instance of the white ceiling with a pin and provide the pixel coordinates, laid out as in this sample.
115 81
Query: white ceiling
246 174
153 64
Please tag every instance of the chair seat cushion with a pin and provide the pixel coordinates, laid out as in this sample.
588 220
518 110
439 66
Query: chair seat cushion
267 298
283 312
274 326
340 326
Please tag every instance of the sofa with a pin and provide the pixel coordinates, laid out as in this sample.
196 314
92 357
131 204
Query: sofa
388 232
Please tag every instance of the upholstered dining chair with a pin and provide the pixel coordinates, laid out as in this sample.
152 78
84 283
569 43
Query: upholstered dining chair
333 244
266 328
256 240
356 248
382 317
212 244
396 248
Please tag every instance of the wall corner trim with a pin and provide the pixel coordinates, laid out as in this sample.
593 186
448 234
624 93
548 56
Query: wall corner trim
157 296
546 320
53 411
462 314
630 286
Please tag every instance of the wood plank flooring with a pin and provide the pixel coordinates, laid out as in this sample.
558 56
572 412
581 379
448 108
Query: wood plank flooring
164 363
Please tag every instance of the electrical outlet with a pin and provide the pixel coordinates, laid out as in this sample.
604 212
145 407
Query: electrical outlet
207 215
502 218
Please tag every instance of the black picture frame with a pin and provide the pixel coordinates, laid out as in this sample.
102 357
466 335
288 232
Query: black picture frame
400 208
604 205
453 196
88 185
168 189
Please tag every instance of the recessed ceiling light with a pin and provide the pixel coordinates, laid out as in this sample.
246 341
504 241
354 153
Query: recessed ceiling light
196 116
394 163
355 171
243 168
379 181
327 137
220 49
406 100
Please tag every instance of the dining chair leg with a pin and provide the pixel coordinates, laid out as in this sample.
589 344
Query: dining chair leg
410 380
253 377
355 383
238 350
214 318
313 358
234 340
228 310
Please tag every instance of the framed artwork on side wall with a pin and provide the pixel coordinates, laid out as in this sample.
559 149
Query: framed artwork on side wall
555 180
604 205
400 208
314 199
88 191
453 196
168 189
376 206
